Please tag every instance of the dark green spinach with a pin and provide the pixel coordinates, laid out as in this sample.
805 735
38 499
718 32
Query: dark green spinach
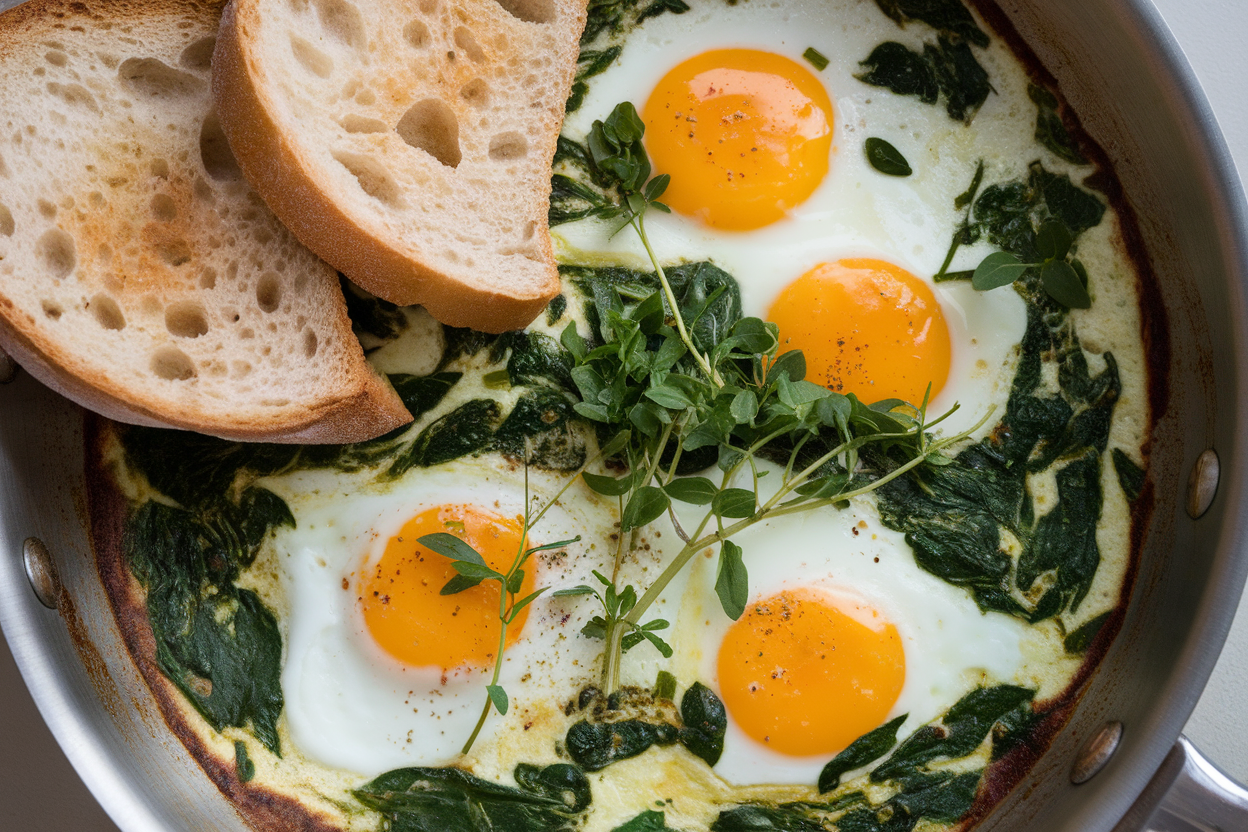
550 799
1051 131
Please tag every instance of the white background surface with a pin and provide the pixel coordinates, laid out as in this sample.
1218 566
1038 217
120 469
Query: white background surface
39 791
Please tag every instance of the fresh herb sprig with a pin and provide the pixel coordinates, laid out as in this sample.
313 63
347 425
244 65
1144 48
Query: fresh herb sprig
471 570
681 380
1063 277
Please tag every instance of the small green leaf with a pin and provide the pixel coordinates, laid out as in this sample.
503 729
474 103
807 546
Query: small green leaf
656 186
998 269
792 363
1061 282
450 546
476 571
572 591
524 602
617 444
668 396
515 581
1053 240
732 583
744 407
816 58
886 159
735 503
458 583
645 506
609 486
573 342
558 544
659 644
698 491
498 696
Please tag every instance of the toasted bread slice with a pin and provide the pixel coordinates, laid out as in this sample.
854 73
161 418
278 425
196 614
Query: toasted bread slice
139 273
408 142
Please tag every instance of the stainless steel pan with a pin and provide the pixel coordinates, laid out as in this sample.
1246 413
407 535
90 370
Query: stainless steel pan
1116 761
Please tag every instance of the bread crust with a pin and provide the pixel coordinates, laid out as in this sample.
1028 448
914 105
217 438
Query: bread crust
278 167
344 402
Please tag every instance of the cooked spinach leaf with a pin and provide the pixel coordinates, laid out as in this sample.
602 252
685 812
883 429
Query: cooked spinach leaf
648 821
595 745
1130 476
372 317
904 72
941 798
615 17
958 517
948 16
947 67
1079 640
758 818
244 767
866 749
465 430
1051 131
960 731
217 643
452 800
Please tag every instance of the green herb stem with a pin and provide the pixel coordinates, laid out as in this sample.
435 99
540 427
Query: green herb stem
638 223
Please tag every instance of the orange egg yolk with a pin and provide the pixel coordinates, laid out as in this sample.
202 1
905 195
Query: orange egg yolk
744 134
805 673
400 596
866 327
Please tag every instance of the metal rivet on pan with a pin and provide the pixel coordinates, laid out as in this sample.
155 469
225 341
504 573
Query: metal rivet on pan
1096 752
8 368
1202 485
41 572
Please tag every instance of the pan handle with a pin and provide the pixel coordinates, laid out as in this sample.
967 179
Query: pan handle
1188 794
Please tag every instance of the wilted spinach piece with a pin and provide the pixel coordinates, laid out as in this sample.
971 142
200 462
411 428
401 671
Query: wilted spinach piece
1016 728
866 749
244 768
706 723
954 516
947 68
555 309
592 62
758 818
1051 131
536 358
616 17
941 798
372 316
538 429
452 800
948 16
1130 476
217 643
960 732
1079 640
193 469
904 72
465 430
596 745
648 821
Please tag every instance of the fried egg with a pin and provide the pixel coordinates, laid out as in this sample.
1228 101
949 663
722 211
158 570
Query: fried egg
381 670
